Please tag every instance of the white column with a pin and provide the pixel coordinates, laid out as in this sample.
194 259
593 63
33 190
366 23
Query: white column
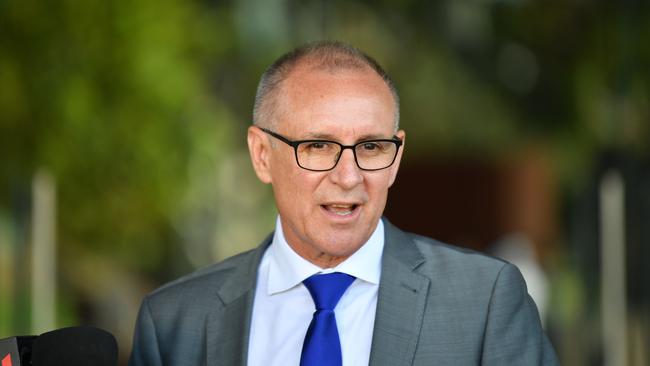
44 254
612 254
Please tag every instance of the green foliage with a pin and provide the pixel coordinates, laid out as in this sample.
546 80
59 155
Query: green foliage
112 98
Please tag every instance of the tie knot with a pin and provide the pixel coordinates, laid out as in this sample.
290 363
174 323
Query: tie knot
326 289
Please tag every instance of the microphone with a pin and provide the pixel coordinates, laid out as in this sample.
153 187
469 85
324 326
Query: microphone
16 351
73 346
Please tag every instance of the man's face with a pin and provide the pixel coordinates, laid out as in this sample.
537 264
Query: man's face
327 216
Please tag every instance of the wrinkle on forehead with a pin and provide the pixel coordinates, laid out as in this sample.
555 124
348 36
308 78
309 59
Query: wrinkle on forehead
304 89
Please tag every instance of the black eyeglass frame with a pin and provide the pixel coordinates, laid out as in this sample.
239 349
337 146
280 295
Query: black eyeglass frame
295 143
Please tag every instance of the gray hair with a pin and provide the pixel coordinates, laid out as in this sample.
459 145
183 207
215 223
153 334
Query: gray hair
325 55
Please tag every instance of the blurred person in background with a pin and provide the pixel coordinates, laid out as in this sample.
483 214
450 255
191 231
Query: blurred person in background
336 283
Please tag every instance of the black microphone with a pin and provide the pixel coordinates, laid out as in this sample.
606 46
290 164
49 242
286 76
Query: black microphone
73 346
16 351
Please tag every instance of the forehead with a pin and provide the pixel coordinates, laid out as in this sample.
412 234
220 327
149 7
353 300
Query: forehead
342 101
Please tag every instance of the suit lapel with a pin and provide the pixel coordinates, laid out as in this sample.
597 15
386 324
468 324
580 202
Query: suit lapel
228 325
401 301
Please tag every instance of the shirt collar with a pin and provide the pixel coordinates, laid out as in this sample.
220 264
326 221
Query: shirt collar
288 269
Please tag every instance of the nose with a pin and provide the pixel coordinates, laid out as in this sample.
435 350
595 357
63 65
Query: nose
346 174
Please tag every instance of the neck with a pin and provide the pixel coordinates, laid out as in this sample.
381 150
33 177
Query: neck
323 260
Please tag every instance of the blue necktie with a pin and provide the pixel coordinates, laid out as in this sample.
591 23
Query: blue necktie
322 346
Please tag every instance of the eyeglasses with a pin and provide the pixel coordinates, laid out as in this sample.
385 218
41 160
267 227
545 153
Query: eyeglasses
323 155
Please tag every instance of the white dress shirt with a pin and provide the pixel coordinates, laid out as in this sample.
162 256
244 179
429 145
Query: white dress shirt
283 307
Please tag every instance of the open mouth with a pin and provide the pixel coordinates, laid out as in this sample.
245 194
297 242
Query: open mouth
341 209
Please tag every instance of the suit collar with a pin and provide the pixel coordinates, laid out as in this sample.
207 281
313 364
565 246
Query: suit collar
400 246
228 326
244 275
401 301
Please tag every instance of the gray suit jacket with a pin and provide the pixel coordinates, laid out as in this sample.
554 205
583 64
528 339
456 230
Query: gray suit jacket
437 305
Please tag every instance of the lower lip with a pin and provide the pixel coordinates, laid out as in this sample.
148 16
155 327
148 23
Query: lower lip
342 218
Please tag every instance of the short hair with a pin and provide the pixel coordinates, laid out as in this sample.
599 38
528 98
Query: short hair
324 55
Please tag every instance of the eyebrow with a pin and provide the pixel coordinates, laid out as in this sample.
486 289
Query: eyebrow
327 136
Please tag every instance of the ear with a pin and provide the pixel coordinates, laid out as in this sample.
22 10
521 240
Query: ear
395 167
259 148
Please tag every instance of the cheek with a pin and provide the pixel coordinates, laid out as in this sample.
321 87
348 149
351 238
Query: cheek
377 182
295 192
378 190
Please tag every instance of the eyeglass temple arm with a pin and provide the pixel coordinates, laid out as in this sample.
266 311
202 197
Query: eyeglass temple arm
279 137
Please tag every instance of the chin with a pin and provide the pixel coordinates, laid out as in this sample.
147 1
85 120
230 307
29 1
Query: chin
344 245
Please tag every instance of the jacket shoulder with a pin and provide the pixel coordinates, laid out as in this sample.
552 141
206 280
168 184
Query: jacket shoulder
439 252
459 271
207 280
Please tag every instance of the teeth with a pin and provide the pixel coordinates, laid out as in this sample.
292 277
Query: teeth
343 213
342 210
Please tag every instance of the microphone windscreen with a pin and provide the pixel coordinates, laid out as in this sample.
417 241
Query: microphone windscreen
75 346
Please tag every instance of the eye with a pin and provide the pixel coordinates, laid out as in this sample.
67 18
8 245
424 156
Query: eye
317 145
370 146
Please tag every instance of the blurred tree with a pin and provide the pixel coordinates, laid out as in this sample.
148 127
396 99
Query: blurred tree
111 97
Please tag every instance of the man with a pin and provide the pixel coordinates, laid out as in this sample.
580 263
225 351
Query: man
326 137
